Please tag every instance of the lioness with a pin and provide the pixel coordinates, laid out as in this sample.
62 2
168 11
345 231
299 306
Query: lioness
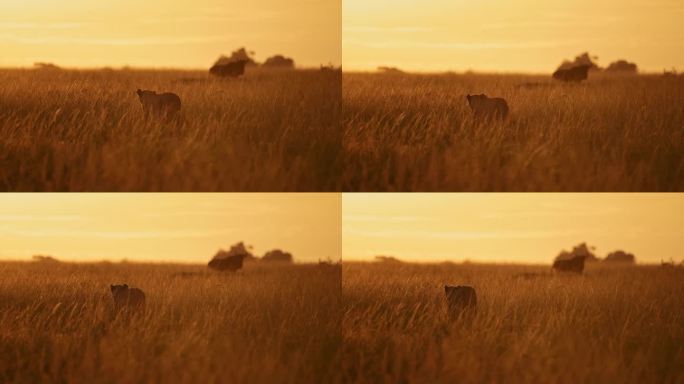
485 107
460 299
125 297
164 104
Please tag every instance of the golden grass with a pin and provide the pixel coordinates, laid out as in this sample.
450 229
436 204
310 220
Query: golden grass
264 324
611 325
416 133
84 131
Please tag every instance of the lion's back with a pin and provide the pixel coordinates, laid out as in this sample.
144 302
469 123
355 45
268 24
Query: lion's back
164 101
130 297
491 106
170 100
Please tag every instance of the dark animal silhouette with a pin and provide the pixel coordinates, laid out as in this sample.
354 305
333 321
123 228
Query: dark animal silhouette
125 297
233 69
485 107
160 105
230 263
576 264
277 256
460 299
574 74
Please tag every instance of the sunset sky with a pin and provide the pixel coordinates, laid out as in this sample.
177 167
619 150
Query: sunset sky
514 228
511 36
167 227
160 33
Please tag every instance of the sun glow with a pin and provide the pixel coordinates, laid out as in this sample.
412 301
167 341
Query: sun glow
157 33
502 35
167 227
508 227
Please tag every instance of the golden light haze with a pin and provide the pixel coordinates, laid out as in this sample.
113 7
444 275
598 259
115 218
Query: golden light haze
510 227
510 36
160 33
167 227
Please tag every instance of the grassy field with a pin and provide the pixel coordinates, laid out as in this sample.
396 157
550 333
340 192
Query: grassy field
261 325
84 131
611 325
409 132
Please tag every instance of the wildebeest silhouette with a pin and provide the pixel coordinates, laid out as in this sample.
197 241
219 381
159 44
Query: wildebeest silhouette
576 74
486 107
460 299
576 264
232 259
160 105
233 69
230 263
125 297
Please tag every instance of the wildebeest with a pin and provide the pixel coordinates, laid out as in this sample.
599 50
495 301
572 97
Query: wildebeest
125 297
161 105
232 69
230 263
485 107
576 264
576 74
460 299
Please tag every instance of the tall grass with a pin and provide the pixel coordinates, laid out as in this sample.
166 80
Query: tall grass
416 133
261 325
85 131
611 325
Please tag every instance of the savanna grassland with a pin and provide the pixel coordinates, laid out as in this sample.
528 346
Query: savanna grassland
264 324
271 130
415 132
610 325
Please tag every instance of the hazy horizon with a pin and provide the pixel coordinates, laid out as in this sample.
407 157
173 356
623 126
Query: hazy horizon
173 227
529 228
501 36
182 34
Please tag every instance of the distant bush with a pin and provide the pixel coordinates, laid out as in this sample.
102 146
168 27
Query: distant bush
620 257
387 259
580 250
390 70
279 61
44 259
622 66
237 55
46 66
583 59
277 255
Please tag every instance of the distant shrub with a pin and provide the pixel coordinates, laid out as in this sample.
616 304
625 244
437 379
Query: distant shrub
44 259
622 66
279 61
277 255
620 257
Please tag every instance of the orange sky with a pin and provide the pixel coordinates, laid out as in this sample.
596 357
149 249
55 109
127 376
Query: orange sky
161 33
167 227
512 36
509 227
